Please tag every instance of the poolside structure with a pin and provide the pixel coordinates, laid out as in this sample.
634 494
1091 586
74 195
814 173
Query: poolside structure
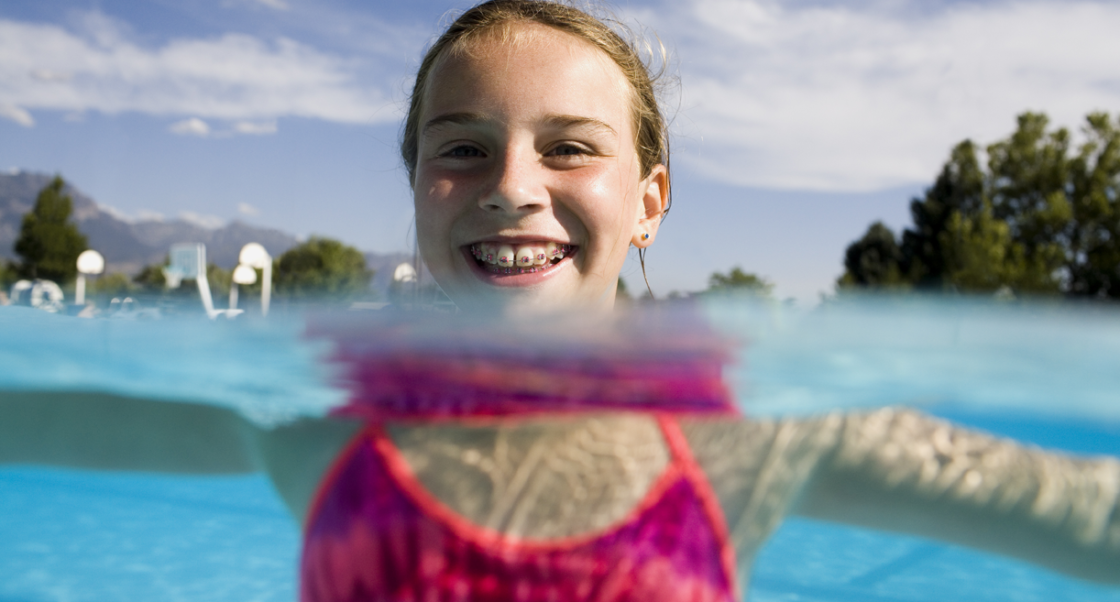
89 262
188 261
254 255
242 274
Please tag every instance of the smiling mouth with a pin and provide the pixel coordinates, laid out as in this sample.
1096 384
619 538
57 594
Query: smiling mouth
504 258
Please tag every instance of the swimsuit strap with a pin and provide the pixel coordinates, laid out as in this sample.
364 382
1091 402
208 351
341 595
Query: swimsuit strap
690 468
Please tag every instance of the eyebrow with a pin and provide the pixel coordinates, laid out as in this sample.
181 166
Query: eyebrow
566 121
452 119
553 120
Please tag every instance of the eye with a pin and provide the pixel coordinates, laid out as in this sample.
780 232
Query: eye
464 151
568 150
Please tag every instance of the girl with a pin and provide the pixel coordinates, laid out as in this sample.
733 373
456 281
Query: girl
537 156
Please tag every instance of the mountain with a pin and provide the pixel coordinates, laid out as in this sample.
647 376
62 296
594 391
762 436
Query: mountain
129 245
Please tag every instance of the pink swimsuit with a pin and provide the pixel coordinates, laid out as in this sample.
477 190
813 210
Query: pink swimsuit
375 534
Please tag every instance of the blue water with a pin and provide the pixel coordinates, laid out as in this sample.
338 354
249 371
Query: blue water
1042 376
102 537
105 537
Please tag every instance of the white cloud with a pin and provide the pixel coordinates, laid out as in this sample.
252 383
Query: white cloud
874 95
233 77
17 114
50 76
247 209
255 127
190 127
209 222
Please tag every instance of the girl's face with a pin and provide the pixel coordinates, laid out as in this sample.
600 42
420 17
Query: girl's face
528 188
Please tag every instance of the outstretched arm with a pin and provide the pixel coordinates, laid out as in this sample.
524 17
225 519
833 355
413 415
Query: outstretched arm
110 432
903 471
101 431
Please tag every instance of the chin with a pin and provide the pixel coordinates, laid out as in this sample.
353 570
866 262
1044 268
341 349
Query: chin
535 300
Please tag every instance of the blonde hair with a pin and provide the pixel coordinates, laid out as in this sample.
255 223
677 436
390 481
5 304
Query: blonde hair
651 131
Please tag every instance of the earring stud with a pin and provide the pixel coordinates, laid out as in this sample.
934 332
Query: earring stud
645 235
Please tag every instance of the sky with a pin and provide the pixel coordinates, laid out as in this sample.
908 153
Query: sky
795 124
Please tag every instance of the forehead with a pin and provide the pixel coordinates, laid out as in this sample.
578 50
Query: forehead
527 69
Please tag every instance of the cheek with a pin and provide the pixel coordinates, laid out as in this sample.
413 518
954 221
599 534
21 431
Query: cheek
444 187
605 201
434 201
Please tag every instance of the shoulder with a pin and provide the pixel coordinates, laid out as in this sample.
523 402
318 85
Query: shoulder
298 455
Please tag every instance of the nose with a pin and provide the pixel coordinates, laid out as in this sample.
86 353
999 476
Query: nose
517 185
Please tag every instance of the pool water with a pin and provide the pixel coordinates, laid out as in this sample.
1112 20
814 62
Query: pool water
73 536
106 537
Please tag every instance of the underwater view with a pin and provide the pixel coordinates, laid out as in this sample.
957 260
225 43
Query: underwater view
1043 375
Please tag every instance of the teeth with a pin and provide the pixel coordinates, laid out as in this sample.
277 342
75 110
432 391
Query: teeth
523 259
527 256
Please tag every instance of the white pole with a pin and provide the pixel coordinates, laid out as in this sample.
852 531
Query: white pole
203 283
80 293
204 292
266 286
255 256
233 295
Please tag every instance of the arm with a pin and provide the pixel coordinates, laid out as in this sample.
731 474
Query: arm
900 470
110 432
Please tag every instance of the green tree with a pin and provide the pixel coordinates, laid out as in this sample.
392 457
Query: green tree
151 276
8 274
219 280
874 261
152 280
959 188
737 281
1063 206
1040 218
48 243
115 284
985 258
322 267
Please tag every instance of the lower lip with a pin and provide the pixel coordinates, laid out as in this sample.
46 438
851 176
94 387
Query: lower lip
515 279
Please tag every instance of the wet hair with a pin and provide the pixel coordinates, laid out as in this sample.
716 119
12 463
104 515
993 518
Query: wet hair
500 17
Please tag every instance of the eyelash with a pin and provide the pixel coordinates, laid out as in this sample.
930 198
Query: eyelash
579 150
455 152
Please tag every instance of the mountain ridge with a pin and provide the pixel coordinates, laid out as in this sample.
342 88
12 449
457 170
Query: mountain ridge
129 245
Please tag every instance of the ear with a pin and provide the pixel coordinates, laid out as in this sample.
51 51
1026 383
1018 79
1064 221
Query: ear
654 191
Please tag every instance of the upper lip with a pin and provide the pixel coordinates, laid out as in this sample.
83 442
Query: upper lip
515 240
